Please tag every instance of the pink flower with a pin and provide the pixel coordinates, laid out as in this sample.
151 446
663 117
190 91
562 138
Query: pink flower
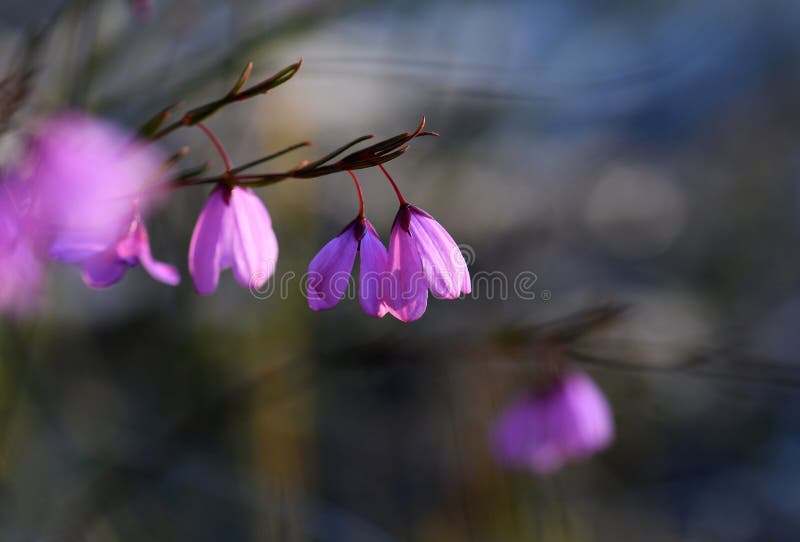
21 266
107 266
233 230
329 271
568 421
85 175
422 257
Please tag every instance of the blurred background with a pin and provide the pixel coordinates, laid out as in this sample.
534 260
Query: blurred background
592 155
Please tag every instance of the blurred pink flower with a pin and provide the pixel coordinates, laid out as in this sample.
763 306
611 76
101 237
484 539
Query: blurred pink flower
569 420
21 266
422 257
233 230
86 175
329 271
107 266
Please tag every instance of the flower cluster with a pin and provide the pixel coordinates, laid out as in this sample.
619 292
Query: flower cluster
568 420
422 257
81 192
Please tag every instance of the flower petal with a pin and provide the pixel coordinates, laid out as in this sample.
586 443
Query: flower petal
374 275
591 425
442 261
103 270
408 296
73 247
255 247
205 249
329 271
140 246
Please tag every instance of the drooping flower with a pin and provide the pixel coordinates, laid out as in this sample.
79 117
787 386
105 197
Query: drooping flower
234 230
422 257
86 174
570 420
329 271
107 265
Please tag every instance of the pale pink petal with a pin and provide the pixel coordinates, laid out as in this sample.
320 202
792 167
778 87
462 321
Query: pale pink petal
103 270
409 296
329 271
374 275
87 173
442 260
205 247
255 247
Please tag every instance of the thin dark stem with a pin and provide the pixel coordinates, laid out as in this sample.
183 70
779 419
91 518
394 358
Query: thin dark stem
394 185
360 195
218 145
272 156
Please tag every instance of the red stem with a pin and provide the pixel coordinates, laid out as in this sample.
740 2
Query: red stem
360 195
400 197
217 144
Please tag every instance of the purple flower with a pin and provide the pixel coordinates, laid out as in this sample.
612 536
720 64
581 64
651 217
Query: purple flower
570 420
107 266
422 257
86 175
329 271
21 266
233 230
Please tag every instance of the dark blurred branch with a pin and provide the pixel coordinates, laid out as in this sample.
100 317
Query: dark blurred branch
199 114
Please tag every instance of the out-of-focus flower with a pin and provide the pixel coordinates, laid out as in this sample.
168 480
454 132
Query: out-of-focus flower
108 265
141 8
234 230
21 265
568 421
329 271
422 257
86 175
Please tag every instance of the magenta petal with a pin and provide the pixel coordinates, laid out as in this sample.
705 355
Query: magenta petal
374 275
590 426
139 244
255 247
103 270
87 173
442 260
568 421
74 247
205 249
329 271
408 297
21 273
162 272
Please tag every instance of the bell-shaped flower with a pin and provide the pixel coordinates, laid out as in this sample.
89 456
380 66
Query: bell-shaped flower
422 257
570 420
108 265
86 173
329 271
234 230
